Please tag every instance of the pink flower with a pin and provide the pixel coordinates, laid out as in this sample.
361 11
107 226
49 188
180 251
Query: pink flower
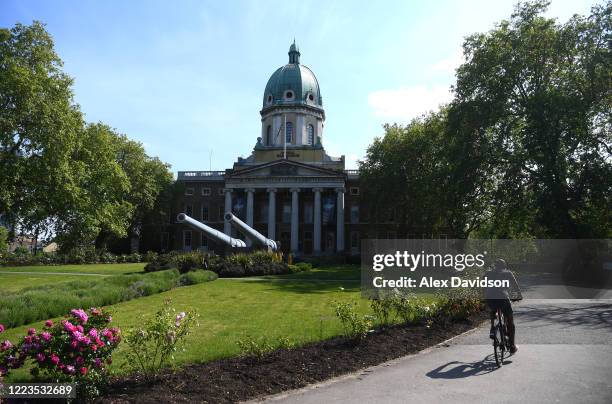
80 328
55 359
74 344
49 323
46 336
1 328
107 333
83 371
31 331
97 362
95 311
6 345
93 333
68 326
40 357
94 347
80 314
69 369
80 360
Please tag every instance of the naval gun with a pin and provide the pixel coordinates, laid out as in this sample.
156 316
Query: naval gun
216 235
255 236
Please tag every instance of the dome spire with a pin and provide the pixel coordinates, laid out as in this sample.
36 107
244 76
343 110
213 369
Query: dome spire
294 53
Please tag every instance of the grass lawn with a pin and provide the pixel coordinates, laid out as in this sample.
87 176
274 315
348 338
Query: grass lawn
231 309
101 269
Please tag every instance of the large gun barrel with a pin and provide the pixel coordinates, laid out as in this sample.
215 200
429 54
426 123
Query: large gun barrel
210 232
250 232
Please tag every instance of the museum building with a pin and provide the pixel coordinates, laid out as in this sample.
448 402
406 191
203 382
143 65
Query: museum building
289 189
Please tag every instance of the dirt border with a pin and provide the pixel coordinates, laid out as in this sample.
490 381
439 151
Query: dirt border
247 378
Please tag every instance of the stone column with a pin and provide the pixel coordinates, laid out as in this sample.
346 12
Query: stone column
272 213
317 220
227 228
340 220
294 219
249 211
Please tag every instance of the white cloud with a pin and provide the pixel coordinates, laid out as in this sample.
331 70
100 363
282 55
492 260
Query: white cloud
449 64
408 102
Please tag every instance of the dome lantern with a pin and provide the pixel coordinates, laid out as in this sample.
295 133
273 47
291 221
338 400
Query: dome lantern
294 54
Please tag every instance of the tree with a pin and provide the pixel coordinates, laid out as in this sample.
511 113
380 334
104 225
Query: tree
39 128
403 171
536 94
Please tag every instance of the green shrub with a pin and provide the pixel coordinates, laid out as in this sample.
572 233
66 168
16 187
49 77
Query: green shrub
382 308
261 346
459 303
153 345
195 277
355 326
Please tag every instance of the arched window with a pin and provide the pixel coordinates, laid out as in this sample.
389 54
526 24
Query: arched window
310 134
289 133
269 135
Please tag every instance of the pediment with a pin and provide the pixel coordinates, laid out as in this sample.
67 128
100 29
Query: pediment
286 168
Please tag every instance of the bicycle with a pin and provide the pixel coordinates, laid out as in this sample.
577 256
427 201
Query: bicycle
501 342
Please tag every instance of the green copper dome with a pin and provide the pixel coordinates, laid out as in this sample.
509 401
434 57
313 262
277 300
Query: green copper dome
293 84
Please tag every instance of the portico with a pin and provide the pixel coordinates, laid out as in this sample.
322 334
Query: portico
282 184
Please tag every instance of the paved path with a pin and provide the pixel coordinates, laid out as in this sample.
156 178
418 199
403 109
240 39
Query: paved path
565 356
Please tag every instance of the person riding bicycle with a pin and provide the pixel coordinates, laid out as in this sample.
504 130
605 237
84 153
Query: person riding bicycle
499 298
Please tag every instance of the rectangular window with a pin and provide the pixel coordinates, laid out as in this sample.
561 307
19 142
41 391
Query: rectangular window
355 241
308 213
188 191
220 192
354 190
188 209
355 214
203 242
205 191
204 213
187 240
307 235
286 212
164 241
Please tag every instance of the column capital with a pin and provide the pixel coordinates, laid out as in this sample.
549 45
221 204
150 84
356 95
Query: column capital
340 190
227 190
271 190
294 190
249 190
317 190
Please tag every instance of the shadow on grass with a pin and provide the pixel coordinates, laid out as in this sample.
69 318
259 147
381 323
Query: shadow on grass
459 370
319 280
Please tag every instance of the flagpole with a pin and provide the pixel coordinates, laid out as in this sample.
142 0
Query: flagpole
285 137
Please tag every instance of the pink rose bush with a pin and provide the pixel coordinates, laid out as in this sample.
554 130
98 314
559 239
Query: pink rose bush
76 349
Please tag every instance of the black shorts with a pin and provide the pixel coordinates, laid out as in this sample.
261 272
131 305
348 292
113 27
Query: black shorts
503 304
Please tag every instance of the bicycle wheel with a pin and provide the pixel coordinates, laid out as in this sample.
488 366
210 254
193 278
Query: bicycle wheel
498 341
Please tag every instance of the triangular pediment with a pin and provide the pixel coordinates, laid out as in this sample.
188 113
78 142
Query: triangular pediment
286 168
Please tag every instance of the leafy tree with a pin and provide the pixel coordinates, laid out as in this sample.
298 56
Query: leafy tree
532 106
39 128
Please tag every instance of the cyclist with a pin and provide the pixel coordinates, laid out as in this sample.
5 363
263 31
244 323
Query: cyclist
500 298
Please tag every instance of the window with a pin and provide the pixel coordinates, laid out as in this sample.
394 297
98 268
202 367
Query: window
269 135
220 192
205 191
310 97
308 212
310 134
204 213
355 214
355 241
187 240
287 213
269 98
203 242
308 235
188 210
289 94
164 241
188 191
354 190
289 133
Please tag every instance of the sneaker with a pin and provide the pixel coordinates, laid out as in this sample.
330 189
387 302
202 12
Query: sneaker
492 333
513 349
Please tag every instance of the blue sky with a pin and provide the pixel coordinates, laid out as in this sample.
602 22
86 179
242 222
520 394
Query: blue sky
187 77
